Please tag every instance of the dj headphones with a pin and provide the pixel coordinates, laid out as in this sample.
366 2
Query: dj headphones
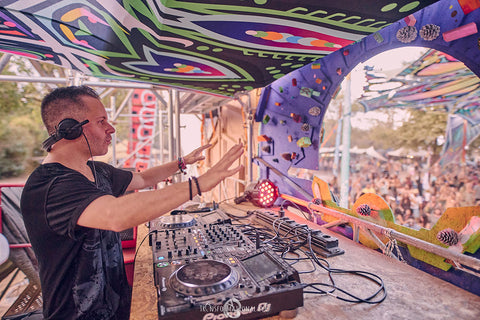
68 128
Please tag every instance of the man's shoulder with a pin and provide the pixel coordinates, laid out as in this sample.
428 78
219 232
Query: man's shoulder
102 166
44 175
47 171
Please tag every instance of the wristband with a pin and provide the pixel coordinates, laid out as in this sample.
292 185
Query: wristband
198 186
181 165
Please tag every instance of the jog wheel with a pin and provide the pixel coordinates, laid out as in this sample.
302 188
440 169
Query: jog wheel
203 277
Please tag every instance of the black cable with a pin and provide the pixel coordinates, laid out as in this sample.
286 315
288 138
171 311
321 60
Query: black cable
355 299
296 205
235 217
138 248
290 242
225 200
93 161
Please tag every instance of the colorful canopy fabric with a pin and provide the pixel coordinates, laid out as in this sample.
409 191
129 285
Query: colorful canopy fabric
440 82
459 134
220 47
435 81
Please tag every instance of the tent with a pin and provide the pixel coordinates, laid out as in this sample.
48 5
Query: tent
406 153
220 47
370 151
374 153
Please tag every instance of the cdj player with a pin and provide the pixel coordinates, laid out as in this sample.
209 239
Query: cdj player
206 268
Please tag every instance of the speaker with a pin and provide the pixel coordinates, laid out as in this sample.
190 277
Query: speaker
68 128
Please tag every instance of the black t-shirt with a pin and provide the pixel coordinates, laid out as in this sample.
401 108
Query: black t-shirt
81 269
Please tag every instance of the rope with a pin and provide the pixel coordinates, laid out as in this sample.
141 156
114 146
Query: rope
390 246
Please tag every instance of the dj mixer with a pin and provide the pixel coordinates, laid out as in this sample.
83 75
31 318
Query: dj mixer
205 267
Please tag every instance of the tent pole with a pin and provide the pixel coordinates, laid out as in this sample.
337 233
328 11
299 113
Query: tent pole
345 169
178 148
170 126
249 118
160 128
113 111
4 61
338 139
464 143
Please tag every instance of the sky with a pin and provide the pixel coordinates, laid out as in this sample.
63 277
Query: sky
190 136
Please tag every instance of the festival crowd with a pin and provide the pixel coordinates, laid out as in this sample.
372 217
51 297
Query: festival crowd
417 195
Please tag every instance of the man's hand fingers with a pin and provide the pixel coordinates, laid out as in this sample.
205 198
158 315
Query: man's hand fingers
232 155
200 149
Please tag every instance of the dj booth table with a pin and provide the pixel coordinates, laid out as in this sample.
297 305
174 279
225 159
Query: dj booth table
411 293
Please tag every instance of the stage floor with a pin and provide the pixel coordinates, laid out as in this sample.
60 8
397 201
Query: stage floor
411 293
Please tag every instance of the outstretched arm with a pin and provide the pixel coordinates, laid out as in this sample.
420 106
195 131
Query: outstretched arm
125 212
152 176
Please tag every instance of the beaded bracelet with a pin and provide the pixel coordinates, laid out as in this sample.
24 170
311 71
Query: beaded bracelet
198 186
181 165
190 187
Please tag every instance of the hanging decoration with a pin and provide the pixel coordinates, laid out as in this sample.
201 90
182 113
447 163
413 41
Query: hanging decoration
407 34
429 32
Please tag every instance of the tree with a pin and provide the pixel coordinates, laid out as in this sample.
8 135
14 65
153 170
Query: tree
419 131
422 130
20 126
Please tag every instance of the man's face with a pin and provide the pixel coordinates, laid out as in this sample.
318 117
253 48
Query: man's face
98 130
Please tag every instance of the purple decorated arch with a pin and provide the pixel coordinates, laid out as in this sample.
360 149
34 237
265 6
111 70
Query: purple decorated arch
292 108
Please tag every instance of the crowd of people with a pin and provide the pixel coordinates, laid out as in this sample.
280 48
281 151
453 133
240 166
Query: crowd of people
418 195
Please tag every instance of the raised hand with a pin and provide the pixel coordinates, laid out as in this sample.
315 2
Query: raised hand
196 155
221 169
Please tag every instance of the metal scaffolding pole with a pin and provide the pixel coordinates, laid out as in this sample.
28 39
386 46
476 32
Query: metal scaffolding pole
4 61
178 145
113 111
162 105
345 172
171 141
457 257
249 117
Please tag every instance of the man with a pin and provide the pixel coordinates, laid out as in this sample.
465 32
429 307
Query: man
74 208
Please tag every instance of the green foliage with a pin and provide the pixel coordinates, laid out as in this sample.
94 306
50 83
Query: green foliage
419 132
21 129
9 99
422 130
12 158
381 137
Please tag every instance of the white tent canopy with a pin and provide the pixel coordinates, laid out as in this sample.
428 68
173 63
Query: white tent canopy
403 152
374 153
356 150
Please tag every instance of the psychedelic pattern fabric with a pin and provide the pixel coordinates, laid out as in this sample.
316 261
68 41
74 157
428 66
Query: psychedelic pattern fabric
219 47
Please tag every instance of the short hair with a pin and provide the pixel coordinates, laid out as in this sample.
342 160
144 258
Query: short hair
64 102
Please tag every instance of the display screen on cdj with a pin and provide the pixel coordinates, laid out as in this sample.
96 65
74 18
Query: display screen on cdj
261 266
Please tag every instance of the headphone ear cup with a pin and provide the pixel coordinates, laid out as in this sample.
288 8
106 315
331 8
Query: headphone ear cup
69 129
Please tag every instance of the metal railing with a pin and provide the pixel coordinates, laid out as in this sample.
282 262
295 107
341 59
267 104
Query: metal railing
457 257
